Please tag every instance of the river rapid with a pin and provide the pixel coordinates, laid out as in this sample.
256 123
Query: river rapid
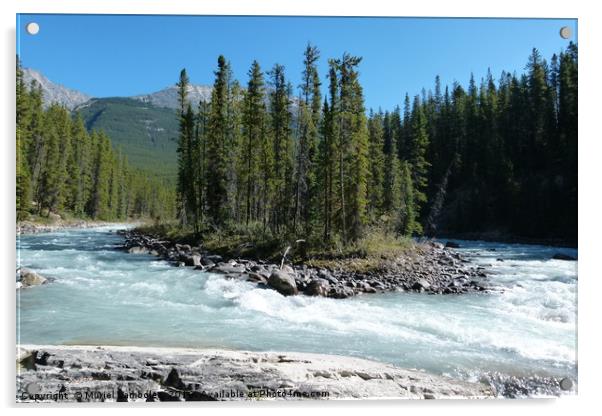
520 338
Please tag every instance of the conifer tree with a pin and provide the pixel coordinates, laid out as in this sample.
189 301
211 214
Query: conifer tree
306 169
256 154
217 177
280 102
408 208
417 152
187 157
377 164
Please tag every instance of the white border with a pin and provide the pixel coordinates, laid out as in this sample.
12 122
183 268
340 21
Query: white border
589 174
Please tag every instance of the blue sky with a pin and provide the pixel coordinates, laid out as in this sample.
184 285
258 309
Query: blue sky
116 55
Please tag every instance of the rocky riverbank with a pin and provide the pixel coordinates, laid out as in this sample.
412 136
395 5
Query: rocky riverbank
114 374
55 223
427 267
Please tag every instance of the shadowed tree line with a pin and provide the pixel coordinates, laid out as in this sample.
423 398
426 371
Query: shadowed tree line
498 156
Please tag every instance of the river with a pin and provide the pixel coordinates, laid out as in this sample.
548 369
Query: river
518 338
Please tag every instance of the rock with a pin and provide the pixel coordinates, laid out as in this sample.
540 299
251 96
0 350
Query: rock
226 268
28 278
452 244
341 293
561 256
283 283
421 284
436 244
206 262
366 288
26 359
174 380
192 260
199 374
213 258
256 278
318 287
166 397
138 250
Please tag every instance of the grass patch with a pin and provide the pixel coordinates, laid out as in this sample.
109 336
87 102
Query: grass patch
373 252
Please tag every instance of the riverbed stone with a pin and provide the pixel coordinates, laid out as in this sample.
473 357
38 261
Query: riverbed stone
421 284
283 283
138 250
29 278
318 287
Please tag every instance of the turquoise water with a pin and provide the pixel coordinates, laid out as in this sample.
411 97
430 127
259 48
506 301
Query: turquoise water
105 296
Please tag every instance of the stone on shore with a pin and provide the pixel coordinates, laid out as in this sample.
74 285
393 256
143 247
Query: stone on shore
138 250
283 282
426 268
187 374
318 287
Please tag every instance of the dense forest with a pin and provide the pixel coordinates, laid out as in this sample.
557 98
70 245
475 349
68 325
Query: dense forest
62 168
497 156
500 156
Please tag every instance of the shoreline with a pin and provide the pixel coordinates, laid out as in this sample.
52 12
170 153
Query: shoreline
36 227
508 239
428 268
127 373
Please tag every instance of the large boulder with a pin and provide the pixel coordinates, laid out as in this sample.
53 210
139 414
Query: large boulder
283 282
28 278
452 244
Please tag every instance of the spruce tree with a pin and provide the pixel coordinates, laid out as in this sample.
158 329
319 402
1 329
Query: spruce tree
280 103
418 145
217 177
377 164
256 154
306 168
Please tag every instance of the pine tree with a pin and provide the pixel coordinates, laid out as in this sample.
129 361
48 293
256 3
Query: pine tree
330 156
408 209
23 185
377 164
280 102
353 145
187 157
306 168
200 156
99 202
392 197
216 190
417 152
256 154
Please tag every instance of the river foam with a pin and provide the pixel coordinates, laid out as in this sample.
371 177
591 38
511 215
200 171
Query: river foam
105 296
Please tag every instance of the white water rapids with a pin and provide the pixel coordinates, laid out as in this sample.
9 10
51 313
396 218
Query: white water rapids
102 296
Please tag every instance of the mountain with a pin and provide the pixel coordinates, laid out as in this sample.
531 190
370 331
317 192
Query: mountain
55 92
144 127
145 133
168 97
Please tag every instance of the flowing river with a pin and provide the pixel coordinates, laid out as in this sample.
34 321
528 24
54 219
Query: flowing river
517 338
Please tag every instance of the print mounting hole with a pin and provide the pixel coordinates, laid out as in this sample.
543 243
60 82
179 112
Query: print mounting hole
32 28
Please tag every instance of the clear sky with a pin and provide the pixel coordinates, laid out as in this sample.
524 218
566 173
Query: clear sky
114 55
